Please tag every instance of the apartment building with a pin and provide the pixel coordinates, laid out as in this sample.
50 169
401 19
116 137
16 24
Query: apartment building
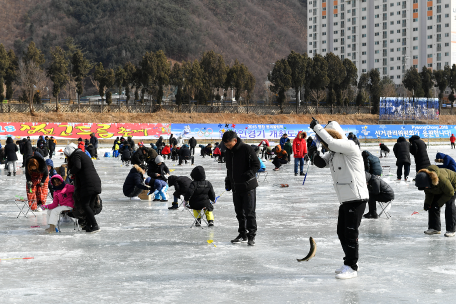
388 35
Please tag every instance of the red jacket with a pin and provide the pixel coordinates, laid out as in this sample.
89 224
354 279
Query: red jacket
300 146
166 150
217 151
264 141
81 146
452 138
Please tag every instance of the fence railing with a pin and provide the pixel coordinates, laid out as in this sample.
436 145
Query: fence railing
241 109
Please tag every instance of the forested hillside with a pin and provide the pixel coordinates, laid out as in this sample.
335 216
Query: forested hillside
256 32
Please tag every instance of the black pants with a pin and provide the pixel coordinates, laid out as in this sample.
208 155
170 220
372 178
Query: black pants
450 216
192 150
278 162
244 206
381 197
350 215
136 191
90 217
181 159
453 146
406 170
50 153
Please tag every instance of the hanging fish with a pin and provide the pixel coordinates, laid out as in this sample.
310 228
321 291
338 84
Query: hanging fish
312 251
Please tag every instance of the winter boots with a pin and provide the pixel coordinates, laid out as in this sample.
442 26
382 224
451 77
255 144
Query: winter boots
9 174
371 215
51 229
239 239
210 223
175 206
251 240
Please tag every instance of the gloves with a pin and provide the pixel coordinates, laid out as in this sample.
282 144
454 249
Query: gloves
29 184
313 123
44 206
427 207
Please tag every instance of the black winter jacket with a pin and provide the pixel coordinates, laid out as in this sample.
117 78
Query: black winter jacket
160 142
372 163
419 151
402 151
242 164
94 142
134 179
86 179
10 150
126 153
131 142
185 152
192 142
91 150
42 167
200 192
138 157
153 170
180 183
376 185
383 147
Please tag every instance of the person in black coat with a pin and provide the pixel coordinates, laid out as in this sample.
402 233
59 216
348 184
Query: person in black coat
242 165
87 184
181 184
26 151
42 145
138 157
125 153
157 169
160 144
192 143
92 151
131 143
10 154
185 155
402 152
384 150
379 191
51 144
371 163
419 150
353 137
94 142
134 183
199 194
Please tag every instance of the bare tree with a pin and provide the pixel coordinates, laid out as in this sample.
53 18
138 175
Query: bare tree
31 79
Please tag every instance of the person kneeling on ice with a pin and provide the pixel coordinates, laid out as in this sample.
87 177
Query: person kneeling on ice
63 201
280 159
134 183
439 186
448 161
379 191
181 184
157 169
371 163
158 188
200 193
347 170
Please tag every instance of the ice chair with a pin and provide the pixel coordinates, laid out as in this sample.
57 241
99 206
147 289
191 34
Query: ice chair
25 206
389 170
201 214
258 175
74 220
386 207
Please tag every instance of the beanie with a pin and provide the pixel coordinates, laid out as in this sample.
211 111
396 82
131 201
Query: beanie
70 149
422 180
159 159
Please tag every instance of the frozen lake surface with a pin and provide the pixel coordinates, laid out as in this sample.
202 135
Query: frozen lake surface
147 254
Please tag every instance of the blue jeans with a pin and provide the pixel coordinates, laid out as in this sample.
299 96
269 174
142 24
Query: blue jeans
301 165
161 193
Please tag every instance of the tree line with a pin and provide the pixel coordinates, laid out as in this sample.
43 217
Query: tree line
153 77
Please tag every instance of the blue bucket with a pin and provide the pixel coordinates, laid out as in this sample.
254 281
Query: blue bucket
107 154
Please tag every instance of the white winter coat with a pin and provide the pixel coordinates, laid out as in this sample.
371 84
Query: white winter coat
180 141
346 164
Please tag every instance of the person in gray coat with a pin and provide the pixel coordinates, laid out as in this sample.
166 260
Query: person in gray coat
379 191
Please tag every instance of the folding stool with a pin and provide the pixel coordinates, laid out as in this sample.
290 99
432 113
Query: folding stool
258 174
200 215
25 206
385 210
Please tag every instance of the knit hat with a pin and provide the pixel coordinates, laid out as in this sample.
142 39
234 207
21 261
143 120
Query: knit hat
159 159
70 149
422 180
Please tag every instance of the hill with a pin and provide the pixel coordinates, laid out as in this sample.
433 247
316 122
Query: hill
257 32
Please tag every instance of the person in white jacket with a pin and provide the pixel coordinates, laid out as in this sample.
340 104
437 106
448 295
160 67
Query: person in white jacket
347 170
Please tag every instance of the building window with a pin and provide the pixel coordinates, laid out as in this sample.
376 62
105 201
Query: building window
415 47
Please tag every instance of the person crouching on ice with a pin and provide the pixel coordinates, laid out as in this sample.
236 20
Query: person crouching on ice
158 188
63 201
439 186
134 183
200 194
379 191
280 159
347 170
181 184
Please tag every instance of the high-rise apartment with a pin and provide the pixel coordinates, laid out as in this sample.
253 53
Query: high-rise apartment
388 35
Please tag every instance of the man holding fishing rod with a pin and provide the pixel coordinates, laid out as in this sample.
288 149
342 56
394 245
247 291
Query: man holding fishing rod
242 164
347 170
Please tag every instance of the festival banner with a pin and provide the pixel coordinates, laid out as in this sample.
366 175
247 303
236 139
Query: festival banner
83 130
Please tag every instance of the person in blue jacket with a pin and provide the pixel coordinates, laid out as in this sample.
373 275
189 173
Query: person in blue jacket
134 183
262 166
283 140
158 187
448 161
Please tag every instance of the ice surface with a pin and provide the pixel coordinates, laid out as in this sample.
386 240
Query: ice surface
147 254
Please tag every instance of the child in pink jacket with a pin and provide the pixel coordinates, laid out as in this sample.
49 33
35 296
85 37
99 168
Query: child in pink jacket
63 200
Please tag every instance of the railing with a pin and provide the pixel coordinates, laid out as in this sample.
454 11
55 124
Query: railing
185 108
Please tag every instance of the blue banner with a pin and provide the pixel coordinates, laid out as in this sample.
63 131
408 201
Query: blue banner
275 131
